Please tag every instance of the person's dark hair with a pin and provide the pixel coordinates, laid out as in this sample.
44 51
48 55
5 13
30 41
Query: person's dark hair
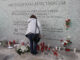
33 16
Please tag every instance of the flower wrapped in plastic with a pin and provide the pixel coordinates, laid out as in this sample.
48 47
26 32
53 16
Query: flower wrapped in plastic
21 49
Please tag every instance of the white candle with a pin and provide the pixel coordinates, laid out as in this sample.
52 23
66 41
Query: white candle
74 50
48 45
59 48
9 46
56 48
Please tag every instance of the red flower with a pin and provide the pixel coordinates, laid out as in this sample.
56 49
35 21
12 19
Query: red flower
55 53
67 23
68 40
67 20
65 43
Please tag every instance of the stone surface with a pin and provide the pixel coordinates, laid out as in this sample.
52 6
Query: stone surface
51 13
10 54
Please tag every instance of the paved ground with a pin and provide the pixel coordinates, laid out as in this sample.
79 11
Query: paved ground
10 54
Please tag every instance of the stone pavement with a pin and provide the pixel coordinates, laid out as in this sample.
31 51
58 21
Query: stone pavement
10 54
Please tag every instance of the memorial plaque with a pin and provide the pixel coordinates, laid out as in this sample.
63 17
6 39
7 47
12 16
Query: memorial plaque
51 14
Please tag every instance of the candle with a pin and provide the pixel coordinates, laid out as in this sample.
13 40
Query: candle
22 43
10 42
67 49
59 48
49 49
74 50
55 53
38 48
46 48
42 49
56 48
13 41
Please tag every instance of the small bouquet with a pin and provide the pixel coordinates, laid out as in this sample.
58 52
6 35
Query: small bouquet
67 23
66 43
21 49
4 43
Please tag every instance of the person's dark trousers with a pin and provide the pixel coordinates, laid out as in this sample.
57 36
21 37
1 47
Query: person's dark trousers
34 47
33 44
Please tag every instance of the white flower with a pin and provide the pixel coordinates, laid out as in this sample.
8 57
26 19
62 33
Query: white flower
18 46
20 50
28 44
65 42
23 48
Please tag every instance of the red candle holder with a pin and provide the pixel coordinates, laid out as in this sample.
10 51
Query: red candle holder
10 42
22 43
41 44
49 49
67 49
38 48
42 49
55 53
13 41
46 48
65 43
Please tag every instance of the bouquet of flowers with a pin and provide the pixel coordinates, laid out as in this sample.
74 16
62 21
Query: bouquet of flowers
4 43
67 23
21 49
66 43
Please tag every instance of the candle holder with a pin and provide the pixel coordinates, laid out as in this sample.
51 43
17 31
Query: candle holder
14 42
55 54
9 45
